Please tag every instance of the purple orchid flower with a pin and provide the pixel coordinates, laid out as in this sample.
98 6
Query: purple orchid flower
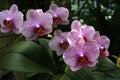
59 42
81 56
80 34
75 36
11 20
37 24
60 15
103 43
83 31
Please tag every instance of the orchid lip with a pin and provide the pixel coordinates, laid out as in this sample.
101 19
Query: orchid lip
82 59
39 29
55 16
8 23
8 19
81 55
37 26
64 45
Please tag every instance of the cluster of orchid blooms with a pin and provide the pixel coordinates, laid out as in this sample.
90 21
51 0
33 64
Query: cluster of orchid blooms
79 47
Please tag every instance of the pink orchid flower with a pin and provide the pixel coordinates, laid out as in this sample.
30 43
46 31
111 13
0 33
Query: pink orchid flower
11 20
84 31
59 42
59 14
81 56
37 24
103 43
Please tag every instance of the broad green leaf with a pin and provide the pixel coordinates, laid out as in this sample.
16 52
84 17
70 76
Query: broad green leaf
27 56
18 62
44 44
41 76
106 70
65 77
82 74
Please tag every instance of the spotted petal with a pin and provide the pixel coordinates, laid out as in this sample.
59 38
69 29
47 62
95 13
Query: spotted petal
5 30
32 15
58 33
31 38
75 68
53 7
18 20
88 32
51 12
63 13
13 9
27 29
92 51
39 11
15 30
96 37
76 25
75 37
70 56
92 64
6 13
105 41
54 45
2 17
46 20
106 53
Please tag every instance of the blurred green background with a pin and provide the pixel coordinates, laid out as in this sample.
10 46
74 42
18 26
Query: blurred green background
103 15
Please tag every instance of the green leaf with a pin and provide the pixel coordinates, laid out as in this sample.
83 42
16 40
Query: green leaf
106 70
64 77
82 74
27 56
44 43
41 76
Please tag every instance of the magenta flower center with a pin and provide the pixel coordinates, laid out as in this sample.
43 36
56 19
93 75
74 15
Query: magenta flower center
85 39
82 60
102 50
8 23
40 30
64 45
56 20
